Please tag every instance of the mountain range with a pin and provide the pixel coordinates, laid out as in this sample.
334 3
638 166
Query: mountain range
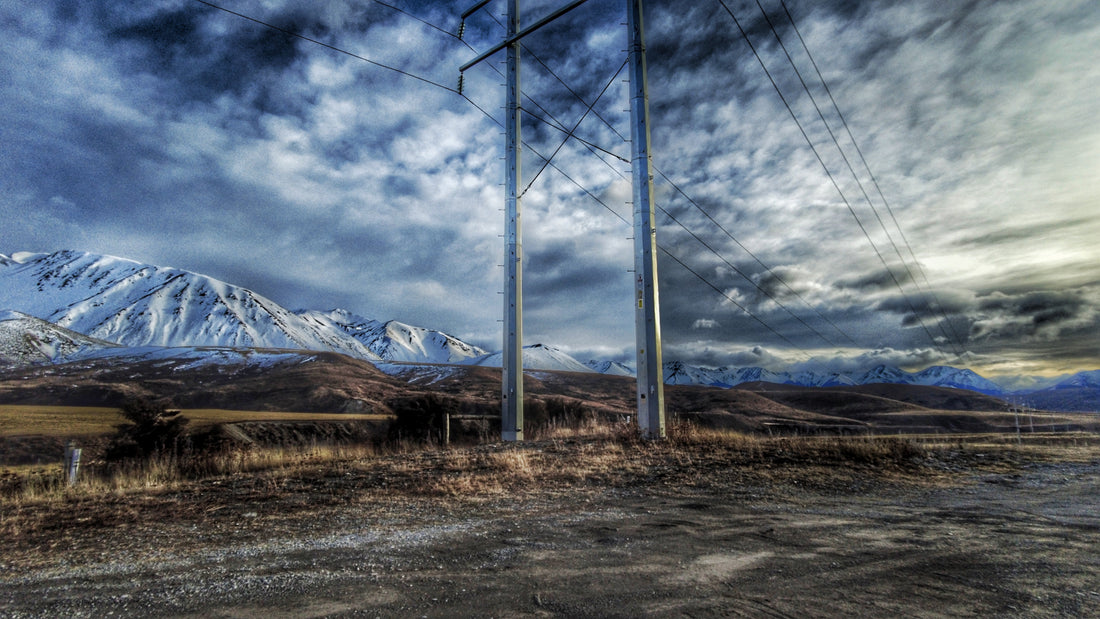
677 373
71 305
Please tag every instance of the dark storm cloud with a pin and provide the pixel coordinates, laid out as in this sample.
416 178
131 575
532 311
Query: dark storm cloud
179 46
1064 323
1040 307
1038 303
882 279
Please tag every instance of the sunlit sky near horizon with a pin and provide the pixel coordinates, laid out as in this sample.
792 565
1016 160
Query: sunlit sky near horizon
176 134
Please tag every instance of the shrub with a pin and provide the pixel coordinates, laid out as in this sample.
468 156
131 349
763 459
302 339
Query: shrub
553 412
151 430
421 417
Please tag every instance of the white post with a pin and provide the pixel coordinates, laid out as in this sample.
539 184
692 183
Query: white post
512 372
1016 414
647 318
72 462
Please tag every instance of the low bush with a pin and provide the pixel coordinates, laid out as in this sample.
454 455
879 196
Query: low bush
421 418
151 429
540 415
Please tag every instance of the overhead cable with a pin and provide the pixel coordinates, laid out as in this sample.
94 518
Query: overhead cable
832 178
848 163
767 268
326 45
871 174
574 129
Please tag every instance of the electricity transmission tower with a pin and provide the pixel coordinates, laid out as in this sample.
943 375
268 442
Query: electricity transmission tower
647 314
650 390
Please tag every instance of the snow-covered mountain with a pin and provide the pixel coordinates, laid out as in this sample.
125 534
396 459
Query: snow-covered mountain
396 341
817 379
883 374
943 376
677 373
614 368
536 357
26 340
1078 392
1081 379
68 304
136 304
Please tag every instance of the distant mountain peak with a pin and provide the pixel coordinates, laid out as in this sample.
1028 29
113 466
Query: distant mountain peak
613 368
680 373
397 341
135 304
537 357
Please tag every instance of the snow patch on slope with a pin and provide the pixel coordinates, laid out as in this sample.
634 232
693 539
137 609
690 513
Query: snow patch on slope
612 368
537 357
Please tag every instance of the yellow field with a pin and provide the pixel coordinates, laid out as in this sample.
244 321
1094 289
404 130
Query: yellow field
16 420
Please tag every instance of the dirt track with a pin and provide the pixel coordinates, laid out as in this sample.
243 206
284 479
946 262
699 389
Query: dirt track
999 541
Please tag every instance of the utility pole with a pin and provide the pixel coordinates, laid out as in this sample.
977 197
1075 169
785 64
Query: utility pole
647 320
647 314
511 416
511 422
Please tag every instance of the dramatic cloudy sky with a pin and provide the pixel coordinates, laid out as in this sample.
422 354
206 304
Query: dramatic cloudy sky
173 133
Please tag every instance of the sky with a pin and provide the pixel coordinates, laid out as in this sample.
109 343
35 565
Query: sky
963 231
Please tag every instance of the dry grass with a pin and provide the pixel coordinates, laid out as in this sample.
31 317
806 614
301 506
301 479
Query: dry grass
43 483
592 454
18 419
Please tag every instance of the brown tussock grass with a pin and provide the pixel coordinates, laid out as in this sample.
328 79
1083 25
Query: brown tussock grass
590 454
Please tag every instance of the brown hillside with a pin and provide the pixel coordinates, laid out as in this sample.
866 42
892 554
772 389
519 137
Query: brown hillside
309 382
333 383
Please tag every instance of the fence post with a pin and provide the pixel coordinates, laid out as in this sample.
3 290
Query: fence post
72 462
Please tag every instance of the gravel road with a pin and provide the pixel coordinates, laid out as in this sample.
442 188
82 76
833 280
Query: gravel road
1021 543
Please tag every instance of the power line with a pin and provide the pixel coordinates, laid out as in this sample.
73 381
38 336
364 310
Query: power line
573 92
326 45
847 162
758 261
731 300
547 160
557 127
829 174
574 129
423 21
749 279
871 174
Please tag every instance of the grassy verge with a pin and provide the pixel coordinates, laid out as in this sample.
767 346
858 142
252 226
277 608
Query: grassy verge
45 483
591 454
